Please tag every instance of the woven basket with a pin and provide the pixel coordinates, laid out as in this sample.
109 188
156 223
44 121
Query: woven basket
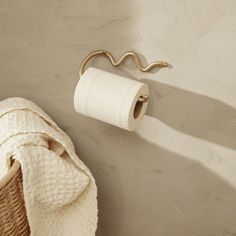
13 218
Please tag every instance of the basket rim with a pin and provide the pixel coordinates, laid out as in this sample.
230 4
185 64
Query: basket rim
10 174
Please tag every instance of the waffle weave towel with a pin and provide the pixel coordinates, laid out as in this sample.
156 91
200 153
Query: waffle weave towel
59 190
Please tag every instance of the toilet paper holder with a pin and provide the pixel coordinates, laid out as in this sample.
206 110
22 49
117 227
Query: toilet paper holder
118 62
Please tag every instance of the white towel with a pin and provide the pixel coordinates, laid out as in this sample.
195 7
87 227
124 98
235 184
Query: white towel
59 190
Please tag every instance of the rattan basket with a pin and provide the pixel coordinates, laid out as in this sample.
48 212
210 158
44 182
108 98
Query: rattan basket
13 218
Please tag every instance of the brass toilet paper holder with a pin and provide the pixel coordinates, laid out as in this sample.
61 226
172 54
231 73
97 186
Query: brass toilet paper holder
123 57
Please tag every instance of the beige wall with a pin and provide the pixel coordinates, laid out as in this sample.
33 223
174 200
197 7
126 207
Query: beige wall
174 176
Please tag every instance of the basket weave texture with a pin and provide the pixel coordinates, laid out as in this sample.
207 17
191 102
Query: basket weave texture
13 218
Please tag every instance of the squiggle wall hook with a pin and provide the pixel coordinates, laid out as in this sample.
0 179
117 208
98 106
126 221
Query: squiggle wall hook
123 57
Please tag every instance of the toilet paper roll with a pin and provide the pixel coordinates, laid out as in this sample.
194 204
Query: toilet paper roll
110 98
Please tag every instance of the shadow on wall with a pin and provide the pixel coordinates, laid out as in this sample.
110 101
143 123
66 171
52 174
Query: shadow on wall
194 114
158 192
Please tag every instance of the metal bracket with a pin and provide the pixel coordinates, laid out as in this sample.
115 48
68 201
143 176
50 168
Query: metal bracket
123 57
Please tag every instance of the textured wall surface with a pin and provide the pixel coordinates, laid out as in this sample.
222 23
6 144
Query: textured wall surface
175 175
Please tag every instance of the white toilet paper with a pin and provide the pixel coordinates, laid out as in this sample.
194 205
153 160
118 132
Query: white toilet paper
110 98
